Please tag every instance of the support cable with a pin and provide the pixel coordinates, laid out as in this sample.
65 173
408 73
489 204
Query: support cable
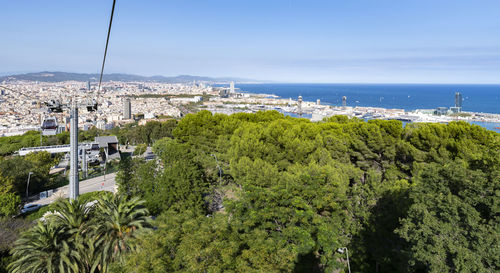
106 48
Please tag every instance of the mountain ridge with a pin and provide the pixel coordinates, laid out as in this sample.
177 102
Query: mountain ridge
57 76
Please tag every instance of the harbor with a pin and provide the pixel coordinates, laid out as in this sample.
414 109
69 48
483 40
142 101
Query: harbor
241 101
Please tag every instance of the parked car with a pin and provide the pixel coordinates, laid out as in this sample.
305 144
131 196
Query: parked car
30 207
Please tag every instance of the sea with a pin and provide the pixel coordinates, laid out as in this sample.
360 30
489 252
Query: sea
476 98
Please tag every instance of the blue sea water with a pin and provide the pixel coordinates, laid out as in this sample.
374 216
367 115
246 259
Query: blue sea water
476 98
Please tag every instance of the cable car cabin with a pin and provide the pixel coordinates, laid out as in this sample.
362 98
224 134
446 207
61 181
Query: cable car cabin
49 126
92 106
95 147
54 106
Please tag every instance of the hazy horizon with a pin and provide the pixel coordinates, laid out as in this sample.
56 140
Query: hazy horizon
255 81
283 41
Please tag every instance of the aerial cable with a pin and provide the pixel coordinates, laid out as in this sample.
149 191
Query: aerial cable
106 48
5 87
94 106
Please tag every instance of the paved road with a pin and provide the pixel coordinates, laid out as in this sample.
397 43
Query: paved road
100 183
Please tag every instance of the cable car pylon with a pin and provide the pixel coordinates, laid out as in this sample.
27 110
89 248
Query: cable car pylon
74 185
91 105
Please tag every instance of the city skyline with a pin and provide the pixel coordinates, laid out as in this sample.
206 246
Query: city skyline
281 41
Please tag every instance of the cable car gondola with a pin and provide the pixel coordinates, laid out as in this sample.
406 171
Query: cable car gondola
49 126
92 105
54 106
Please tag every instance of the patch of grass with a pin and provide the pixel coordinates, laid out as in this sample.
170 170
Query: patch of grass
34 215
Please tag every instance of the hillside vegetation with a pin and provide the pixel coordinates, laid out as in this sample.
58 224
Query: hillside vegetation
268 193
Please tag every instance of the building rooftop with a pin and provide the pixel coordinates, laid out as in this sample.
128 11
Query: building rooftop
105 140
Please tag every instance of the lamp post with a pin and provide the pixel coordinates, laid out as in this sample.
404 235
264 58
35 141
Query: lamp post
28 184
218 166
341 250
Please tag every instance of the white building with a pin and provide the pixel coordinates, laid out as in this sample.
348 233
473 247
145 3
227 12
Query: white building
231 88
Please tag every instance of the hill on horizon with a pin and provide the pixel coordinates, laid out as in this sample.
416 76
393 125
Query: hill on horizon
47 76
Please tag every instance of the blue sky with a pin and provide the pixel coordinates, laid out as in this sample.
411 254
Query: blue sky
361 41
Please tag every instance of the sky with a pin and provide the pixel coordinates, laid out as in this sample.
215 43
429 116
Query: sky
323 41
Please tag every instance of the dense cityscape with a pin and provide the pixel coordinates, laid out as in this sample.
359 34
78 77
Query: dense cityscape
22 105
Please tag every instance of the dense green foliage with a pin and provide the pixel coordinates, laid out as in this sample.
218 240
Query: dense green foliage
268 193
140 149
14 170
423 198
452 224
145 134
14 174
9 145
9 200
80 238
134 134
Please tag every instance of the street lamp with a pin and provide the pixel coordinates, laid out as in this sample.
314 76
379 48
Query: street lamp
341 250
28 184
220 170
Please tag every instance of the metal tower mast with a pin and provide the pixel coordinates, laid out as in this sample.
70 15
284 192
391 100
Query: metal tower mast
73 138
299 106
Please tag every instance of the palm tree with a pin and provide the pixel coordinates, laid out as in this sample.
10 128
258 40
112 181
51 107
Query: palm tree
44 249
73 216
79 237
119 219
89 254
